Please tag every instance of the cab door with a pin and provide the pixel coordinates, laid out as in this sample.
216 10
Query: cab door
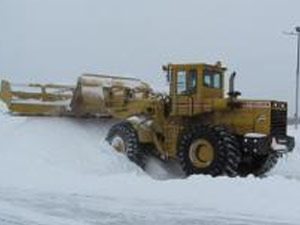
184 90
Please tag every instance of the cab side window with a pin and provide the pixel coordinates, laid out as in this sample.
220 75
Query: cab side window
217 80
181 82
192 84
207 81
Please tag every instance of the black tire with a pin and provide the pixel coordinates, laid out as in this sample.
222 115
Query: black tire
133 149
258 165
225 146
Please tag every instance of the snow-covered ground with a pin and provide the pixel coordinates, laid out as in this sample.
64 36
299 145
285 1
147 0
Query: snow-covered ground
60 171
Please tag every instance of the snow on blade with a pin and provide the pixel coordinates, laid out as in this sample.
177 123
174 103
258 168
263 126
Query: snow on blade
255 135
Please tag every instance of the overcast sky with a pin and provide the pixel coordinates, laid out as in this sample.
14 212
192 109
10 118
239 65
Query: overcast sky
56 40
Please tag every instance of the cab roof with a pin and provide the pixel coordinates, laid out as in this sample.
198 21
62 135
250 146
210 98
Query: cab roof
217 65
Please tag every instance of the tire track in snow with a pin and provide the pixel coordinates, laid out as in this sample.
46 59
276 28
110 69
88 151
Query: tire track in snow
46 208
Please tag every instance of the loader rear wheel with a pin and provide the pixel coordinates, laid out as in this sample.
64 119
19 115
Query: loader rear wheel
208 150
123 138
259 166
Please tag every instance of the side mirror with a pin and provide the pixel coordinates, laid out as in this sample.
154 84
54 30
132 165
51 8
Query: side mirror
168 72
165 68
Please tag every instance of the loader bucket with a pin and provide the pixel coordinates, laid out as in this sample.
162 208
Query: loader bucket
100 95
37 99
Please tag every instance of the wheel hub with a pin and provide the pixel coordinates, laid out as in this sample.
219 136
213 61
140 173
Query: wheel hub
201 153
118 144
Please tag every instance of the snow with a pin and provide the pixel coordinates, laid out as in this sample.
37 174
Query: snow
41 102
278 147
255 135
109 81
61 171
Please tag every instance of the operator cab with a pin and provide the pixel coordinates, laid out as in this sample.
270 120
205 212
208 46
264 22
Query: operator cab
194 86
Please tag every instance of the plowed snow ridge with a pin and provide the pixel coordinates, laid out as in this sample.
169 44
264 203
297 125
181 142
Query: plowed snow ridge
65 156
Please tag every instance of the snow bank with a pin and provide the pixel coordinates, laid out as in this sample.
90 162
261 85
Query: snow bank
3 109
70 157
45 149
51 152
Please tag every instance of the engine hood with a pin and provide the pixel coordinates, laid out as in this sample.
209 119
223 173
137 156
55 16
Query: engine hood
263 104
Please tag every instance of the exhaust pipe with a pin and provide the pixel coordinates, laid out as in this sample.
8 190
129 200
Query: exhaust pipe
232 93
231 83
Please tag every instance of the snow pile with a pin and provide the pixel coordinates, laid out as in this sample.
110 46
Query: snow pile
60 170
3 109
47 149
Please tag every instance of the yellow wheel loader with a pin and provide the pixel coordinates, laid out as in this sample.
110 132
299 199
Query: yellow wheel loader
196 125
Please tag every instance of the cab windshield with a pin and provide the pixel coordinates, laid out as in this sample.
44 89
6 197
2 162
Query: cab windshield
212 79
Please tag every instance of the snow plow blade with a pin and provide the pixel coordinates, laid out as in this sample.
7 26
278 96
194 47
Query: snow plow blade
37 99
93 96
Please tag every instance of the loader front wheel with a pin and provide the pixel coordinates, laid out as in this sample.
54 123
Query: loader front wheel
208 150
123 138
